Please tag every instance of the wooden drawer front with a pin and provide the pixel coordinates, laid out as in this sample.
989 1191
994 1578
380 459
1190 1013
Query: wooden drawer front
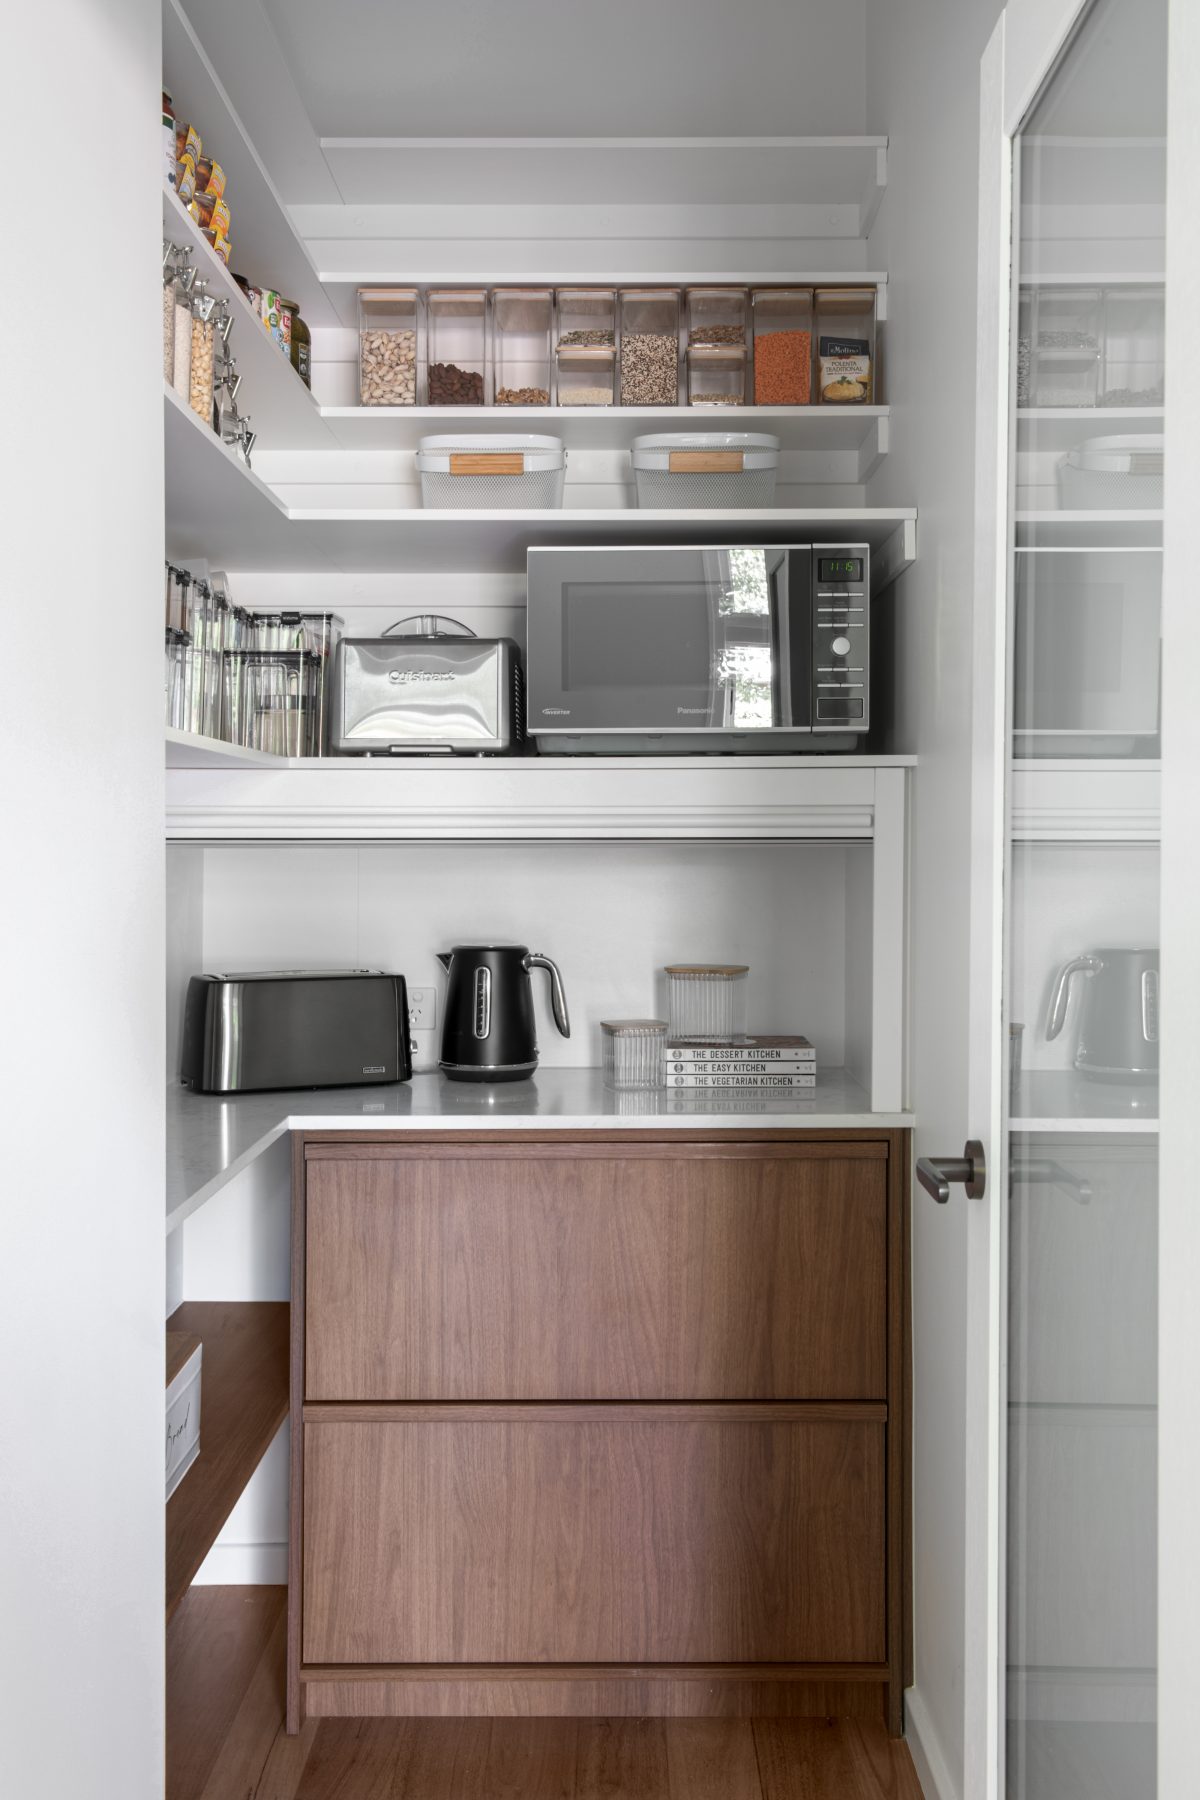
594 1540
608 1276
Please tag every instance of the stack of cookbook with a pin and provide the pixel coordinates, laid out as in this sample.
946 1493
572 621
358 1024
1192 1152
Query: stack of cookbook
782 1063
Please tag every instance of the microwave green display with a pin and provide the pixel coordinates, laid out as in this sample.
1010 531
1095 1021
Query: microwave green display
839 568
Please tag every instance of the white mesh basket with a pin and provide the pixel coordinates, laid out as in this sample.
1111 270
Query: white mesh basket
479 470
706 468
1115 473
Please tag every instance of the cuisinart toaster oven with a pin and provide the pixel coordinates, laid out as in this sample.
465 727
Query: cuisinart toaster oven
712 648
437 689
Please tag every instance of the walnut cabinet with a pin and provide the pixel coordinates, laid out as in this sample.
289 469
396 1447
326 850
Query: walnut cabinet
599 1424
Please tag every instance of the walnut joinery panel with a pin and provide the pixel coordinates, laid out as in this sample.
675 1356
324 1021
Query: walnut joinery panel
590 1272
674 1538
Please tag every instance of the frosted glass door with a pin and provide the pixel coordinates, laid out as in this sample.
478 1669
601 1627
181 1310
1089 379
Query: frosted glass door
1082 883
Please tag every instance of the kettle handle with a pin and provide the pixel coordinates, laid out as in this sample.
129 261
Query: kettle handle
1078 965
558 999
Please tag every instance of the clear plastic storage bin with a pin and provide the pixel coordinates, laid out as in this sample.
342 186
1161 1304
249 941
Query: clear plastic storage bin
478 470
1064 331
587 319
456 339
705 1001
649 347
1134 343
845 332
522 332
716 316
633 1052
389 321
705 468
783 320
587 376
716 375
1115 474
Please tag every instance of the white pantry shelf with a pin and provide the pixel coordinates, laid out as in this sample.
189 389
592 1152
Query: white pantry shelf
536 798
188 750
280 408
1061 1101
1060 529
1044 428
210 490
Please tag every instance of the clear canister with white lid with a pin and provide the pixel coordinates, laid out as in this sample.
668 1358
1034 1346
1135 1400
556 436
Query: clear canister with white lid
522 332
633 1052
202 375
389 321
649 347
705 1001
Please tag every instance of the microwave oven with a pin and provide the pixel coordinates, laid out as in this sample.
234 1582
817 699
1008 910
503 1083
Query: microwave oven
1087 651
668 649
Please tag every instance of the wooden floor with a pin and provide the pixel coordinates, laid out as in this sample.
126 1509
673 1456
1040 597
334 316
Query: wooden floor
225 1739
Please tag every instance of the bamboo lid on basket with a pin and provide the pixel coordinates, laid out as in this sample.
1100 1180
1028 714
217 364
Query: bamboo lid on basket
703 971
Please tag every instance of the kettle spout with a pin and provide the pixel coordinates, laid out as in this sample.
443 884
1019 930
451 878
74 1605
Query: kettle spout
443 957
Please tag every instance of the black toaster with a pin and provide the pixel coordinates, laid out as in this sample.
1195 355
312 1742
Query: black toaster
295 1028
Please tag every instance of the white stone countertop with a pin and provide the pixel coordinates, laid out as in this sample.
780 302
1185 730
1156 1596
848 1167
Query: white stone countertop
210 1139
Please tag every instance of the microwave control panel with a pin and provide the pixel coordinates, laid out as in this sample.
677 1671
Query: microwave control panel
841 578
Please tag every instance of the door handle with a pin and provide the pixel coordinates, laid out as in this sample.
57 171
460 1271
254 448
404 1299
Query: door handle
937 1172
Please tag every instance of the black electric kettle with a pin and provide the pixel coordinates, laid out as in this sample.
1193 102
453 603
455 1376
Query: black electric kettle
1118 1018
488 1027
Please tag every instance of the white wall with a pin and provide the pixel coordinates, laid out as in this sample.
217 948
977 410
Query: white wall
923 91
81 1069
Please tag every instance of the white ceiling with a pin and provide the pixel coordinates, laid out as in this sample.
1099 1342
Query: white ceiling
529 68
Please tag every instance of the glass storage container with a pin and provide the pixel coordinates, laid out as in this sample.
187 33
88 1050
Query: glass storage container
522 333
716 315
181 371
1024 347
201 380
1134 347
649 347
783 322
716 375
1065 346
845 332
300 344
168 300
705 1001
176 678
177 603
388 346
315 633
456 338
633 1052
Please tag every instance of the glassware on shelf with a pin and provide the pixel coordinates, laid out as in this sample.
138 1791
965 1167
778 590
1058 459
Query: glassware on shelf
587 319
456 339
845 332
1133 362
389 322
587 377
633 1052
1064 327
522 333
783 322
716 316
202 374
716 375
181 336
177 647
704 1000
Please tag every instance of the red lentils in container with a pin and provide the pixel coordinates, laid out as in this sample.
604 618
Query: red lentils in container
783 368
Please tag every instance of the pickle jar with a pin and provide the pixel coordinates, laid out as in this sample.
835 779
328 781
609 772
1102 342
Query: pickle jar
388 328
201 381
845 346
301 347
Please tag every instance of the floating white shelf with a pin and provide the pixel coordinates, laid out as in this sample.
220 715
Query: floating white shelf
267 249
533 798
860 430
208 485
1045 428
1061 1101
187 750
280 407
1086 801
1050 529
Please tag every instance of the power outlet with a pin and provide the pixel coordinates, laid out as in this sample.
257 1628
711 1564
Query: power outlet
422 1008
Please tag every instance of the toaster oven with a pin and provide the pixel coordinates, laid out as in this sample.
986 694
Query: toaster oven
429 691
295 1028
670 649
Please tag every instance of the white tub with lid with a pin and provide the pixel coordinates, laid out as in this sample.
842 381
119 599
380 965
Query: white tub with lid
706 468
1115 473
491 470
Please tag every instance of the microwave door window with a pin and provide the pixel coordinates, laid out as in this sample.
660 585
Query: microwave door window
639 655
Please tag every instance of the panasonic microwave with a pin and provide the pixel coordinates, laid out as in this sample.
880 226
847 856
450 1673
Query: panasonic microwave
675 649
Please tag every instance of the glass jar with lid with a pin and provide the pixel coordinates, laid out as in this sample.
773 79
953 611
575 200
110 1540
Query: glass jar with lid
649 347
388 348
202 376
522 332
716 375
845 319
301 345
181 336
456 332
170 252
585 351
783 321
716 316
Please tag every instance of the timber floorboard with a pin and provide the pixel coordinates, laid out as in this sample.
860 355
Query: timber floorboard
226 1740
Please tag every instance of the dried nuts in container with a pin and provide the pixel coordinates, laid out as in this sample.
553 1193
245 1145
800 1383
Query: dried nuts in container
203 356
526 396
388 367
452 386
